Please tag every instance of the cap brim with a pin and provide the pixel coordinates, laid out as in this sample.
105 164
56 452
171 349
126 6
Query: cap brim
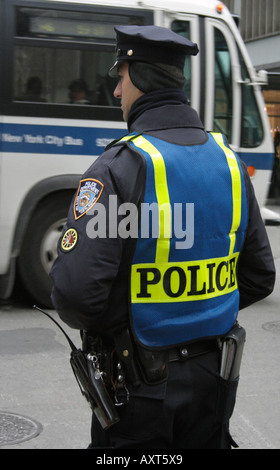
113 72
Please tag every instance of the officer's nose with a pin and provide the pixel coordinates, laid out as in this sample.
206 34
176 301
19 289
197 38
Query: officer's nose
118 91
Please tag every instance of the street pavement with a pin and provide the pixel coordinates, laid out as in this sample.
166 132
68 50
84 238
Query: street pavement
41 406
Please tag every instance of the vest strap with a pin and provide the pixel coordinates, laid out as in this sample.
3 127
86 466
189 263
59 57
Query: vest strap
236 189
162 193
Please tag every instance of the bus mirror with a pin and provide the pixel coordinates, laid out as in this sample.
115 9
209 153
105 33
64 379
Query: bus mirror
262 78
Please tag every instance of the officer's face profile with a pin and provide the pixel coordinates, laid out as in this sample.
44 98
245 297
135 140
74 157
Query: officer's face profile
125 90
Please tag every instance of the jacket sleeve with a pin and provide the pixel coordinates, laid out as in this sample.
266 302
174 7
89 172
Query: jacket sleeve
256 269
83 276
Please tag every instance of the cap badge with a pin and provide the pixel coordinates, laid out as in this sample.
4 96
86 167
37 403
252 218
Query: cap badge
130 52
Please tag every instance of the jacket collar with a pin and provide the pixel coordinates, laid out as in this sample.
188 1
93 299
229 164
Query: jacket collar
163 109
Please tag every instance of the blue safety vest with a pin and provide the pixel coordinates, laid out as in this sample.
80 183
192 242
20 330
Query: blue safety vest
193 222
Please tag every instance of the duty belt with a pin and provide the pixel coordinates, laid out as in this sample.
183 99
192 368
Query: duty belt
192 350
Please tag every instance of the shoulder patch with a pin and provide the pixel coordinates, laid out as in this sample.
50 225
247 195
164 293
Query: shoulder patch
88 193
69 239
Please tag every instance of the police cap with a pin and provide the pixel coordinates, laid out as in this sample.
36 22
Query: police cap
153 44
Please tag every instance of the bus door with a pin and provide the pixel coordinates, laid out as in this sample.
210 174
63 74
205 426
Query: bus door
224 91
188 27
210 83
223 94
234 104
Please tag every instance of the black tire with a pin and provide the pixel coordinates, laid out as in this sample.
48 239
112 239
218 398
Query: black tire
38 250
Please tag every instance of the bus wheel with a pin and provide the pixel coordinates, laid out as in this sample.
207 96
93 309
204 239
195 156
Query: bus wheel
39 248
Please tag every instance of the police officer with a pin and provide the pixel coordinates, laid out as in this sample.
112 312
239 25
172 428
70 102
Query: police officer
174 272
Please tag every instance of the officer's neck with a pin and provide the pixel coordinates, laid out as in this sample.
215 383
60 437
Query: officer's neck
155 99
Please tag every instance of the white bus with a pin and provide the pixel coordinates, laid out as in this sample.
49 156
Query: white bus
57 110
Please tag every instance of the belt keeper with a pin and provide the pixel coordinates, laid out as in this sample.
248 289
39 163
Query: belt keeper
195 349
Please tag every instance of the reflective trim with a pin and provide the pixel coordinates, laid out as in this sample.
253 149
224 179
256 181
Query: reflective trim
162 193
236 189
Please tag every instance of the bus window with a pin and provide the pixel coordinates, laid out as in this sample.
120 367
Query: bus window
252 132
223 87
72 25
63 76
183 28
63 56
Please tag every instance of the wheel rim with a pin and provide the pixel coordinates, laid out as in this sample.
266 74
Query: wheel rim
48 251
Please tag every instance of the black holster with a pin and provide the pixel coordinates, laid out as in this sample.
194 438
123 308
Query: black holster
153 365
232 350
139 362
231 355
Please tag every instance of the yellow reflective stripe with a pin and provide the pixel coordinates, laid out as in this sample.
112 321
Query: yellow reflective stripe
162 194
126 138
184 281
236 189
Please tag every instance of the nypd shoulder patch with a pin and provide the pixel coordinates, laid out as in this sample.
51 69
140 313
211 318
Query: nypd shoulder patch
88 193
